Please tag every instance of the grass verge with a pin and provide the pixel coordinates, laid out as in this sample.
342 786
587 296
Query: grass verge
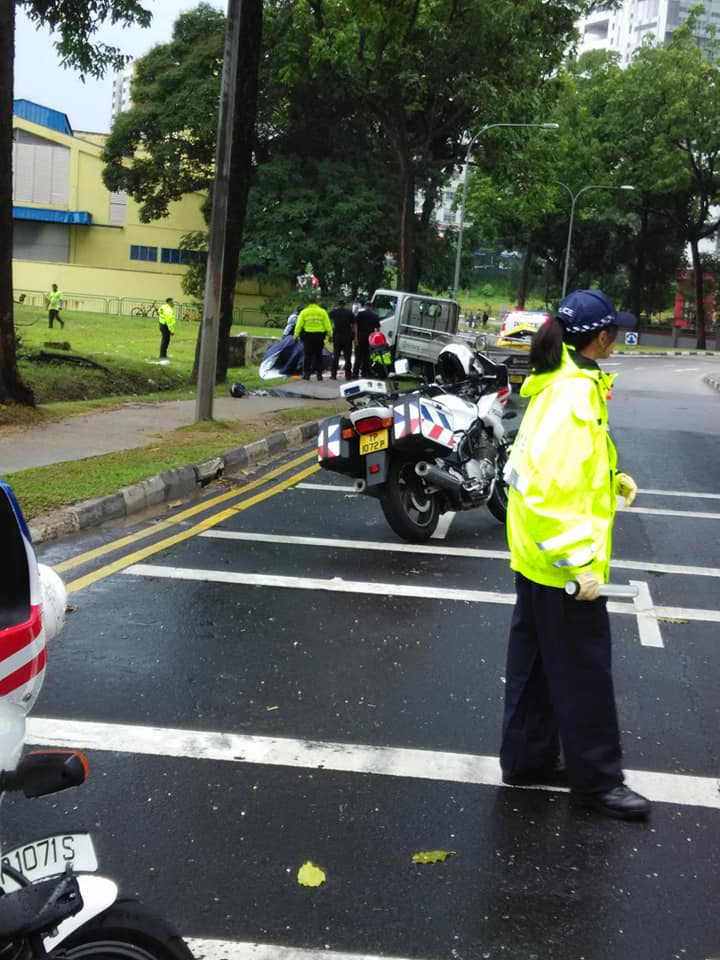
42 489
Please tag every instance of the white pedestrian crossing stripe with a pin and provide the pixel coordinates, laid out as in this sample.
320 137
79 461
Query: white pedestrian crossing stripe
644 612
238 950
341 757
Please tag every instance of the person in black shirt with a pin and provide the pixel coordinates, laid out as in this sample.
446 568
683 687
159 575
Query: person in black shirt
343 321
367 321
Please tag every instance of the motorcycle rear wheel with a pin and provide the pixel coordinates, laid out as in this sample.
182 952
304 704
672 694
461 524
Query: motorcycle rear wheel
411 511
125 931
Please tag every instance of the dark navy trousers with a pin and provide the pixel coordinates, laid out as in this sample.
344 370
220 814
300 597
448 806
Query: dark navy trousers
559 689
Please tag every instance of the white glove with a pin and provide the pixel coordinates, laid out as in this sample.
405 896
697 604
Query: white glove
589 587
626 487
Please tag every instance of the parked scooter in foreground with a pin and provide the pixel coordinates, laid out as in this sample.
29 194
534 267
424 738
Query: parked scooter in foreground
51 901
441 446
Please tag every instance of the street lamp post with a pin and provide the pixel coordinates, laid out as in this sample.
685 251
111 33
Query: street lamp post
573 199
481 131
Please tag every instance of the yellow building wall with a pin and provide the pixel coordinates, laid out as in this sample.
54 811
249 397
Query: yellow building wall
100 275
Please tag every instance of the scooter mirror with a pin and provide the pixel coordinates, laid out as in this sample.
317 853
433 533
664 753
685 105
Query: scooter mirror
50 771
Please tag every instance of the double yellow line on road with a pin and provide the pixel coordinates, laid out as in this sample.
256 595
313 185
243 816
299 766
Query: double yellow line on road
207 523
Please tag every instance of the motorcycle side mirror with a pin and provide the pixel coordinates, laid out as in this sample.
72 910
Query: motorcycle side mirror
48 771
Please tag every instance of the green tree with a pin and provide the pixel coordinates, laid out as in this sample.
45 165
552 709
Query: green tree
76 23
424 72
663 114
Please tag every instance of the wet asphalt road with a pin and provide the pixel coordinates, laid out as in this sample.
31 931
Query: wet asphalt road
215 844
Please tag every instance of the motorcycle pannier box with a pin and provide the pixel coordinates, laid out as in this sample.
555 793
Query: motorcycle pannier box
336 452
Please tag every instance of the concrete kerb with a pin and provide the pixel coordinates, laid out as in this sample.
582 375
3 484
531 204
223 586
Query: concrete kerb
173 484
713 382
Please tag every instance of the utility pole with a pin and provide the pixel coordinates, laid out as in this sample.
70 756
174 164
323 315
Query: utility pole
218 220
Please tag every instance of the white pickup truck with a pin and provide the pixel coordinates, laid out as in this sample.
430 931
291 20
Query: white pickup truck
417 327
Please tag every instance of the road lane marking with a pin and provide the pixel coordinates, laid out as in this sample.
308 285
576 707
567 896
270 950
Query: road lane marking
82 558
441 531
686 369
650 511
122 562
376 589
648 627
689 494
473 553
416 764
241 950
338 488
332 487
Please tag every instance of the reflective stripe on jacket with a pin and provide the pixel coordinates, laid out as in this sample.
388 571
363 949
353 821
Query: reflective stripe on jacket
166 315
313 319
561 474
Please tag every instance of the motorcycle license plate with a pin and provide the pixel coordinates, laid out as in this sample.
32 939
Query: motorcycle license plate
516 378
49 857
372 442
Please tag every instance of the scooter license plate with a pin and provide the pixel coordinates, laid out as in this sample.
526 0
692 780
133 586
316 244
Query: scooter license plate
49 857
372 442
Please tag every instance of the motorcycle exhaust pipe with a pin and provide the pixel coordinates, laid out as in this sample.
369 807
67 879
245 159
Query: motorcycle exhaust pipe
360 486
437 477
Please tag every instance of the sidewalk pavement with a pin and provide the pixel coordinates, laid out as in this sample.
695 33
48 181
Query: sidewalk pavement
136 424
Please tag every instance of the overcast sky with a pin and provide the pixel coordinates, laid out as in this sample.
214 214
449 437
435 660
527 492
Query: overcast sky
40 78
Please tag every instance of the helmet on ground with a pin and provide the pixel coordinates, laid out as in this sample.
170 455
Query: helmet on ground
456 362
238 390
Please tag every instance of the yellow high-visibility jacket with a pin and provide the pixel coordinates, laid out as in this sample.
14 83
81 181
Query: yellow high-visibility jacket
313 319
166 315
562 477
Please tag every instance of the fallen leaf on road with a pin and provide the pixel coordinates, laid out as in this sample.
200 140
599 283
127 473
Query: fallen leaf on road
432 856
310 875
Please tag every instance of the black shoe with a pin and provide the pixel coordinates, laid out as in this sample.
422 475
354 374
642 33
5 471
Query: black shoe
319 377
553 776
306 378
333 377
621 802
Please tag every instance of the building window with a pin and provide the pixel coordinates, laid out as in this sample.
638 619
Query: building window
143 253
118 207
172 255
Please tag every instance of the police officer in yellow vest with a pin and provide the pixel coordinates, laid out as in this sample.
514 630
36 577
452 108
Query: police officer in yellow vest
312 327
166 318
55 302
561 504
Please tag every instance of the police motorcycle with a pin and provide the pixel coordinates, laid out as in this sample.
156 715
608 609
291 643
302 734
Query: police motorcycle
439 447
52 903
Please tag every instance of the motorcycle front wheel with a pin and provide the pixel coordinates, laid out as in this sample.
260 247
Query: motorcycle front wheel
411 511
498 502
125 931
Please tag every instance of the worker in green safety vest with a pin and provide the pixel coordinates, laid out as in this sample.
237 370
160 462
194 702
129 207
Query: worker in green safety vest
55 301
560 723
166 318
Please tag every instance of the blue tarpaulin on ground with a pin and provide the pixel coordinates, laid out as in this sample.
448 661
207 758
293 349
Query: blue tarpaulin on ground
285 358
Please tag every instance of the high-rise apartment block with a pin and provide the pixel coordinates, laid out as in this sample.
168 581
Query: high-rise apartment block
625 28
121 99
